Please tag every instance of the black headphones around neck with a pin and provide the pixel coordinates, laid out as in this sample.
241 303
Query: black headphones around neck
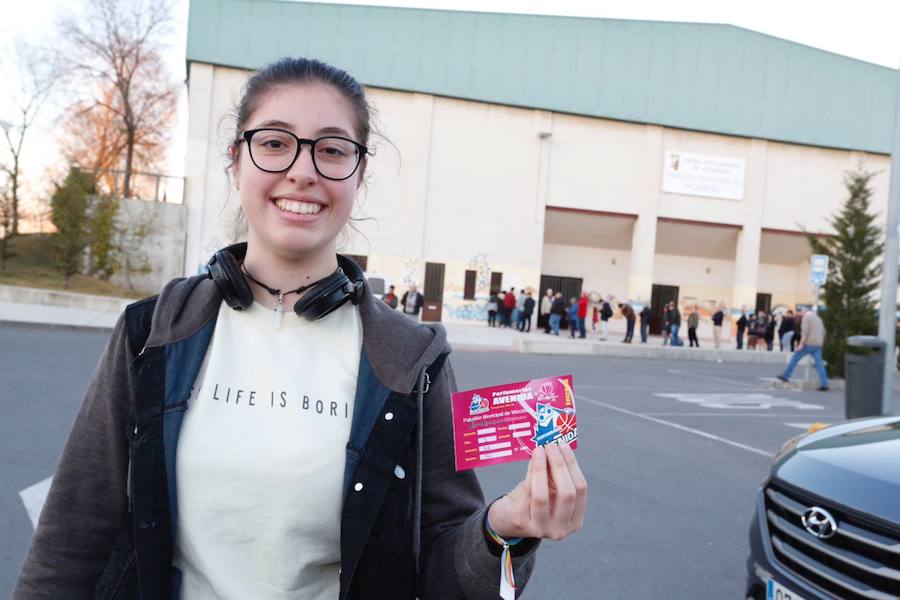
322 299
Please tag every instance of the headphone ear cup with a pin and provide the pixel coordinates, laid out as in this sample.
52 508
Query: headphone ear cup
225 270
356 277
325 298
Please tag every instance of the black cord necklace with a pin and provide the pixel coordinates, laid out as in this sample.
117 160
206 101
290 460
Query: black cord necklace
276 319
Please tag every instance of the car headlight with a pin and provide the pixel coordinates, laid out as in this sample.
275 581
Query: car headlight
789 446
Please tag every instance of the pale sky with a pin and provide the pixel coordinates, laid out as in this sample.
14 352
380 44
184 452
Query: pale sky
863 29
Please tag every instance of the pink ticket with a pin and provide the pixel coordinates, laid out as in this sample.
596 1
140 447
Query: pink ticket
504 423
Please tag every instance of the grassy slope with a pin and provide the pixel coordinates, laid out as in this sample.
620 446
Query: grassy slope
30 264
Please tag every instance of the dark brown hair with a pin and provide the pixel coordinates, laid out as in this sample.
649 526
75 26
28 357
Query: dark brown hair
298 70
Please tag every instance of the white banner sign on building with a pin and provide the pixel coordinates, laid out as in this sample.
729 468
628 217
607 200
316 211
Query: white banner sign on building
702 175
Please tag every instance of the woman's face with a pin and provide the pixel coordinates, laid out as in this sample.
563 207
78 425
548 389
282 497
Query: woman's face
297 213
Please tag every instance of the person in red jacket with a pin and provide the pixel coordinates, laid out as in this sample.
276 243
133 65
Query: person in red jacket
509 305
582 314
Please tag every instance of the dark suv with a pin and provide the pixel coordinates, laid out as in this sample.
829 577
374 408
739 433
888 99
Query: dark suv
827 521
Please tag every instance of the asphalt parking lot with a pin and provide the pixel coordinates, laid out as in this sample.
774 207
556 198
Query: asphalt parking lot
673 451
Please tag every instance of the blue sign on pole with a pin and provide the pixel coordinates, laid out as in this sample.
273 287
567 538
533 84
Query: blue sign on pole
818 270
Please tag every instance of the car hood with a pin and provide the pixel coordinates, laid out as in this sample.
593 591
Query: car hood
856 464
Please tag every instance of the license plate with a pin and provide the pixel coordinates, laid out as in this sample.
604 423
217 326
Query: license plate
776 591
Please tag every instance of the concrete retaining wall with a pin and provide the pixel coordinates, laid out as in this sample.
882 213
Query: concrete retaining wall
24 295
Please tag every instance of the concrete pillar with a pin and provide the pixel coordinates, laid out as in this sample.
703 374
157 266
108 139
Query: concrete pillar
746 261
543 126
420 168
197 152
643 237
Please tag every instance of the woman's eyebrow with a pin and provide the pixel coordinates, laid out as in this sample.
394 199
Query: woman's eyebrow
285 125
337 130
276 123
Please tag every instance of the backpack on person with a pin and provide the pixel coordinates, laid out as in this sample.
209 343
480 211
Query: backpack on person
606 311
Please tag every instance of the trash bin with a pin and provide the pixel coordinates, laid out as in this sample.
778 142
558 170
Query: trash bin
864 376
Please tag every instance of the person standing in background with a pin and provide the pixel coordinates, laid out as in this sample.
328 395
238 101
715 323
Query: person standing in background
391 298
582 314
786 331
546 305
693 322
645 323
520 306
742 325
573 316
492 310
675 318
628 314
509 306
557 309
605 313
412 301
717 319
769 335
527 311
666 323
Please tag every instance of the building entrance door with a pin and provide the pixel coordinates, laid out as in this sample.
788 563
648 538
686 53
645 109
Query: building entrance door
434 292
763 303
569 286
660 295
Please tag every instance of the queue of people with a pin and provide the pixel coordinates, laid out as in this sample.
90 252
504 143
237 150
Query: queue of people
754 330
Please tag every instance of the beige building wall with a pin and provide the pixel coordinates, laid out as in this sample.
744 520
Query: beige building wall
468 184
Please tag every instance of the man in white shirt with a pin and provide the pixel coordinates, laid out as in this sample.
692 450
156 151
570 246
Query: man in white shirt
412 301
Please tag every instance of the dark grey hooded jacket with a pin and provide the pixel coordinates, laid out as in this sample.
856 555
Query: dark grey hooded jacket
107 527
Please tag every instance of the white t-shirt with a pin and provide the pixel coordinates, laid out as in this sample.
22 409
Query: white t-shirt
260 458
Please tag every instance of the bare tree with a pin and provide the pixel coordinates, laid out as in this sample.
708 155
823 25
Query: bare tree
123 122
36 73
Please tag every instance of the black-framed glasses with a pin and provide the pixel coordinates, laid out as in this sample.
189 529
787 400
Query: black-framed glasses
276 150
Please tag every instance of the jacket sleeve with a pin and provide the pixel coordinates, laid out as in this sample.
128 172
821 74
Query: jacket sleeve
453 512
87 502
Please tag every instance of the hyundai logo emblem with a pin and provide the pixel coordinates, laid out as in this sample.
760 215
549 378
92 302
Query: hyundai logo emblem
819 523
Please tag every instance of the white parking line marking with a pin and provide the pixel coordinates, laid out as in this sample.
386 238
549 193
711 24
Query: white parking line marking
33 498
739 401
730 414
717 379
679 427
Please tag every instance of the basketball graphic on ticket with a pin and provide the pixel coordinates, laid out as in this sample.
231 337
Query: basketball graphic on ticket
504 423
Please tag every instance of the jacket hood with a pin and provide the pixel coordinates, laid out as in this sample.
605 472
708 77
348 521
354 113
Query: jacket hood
396 346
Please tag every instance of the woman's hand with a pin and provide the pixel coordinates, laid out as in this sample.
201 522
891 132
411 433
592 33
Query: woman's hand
550 503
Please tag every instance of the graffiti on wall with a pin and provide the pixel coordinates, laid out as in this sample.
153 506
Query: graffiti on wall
482 267
470 311
412 272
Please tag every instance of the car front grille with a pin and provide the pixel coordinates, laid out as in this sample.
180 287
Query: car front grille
861 561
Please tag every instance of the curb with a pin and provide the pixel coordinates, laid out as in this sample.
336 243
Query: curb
63 326
26 295
647 351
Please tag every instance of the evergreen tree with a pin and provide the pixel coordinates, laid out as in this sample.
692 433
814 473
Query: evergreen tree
854 270
69 206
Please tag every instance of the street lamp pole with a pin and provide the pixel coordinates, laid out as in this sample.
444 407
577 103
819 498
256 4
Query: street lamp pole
887 322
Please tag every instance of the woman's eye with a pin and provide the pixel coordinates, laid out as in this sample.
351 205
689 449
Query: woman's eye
332 151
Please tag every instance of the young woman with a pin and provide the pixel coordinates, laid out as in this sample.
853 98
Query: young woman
228 450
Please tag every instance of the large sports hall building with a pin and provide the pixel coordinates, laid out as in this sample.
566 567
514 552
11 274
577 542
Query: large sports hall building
643 161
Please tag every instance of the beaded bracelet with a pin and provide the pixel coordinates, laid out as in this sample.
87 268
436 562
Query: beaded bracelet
507 580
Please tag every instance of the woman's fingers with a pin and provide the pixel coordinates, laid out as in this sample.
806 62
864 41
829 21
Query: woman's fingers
564 504
540 490
581 486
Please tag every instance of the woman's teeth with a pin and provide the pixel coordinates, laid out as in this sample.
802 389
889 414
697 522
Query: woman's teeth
303 208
